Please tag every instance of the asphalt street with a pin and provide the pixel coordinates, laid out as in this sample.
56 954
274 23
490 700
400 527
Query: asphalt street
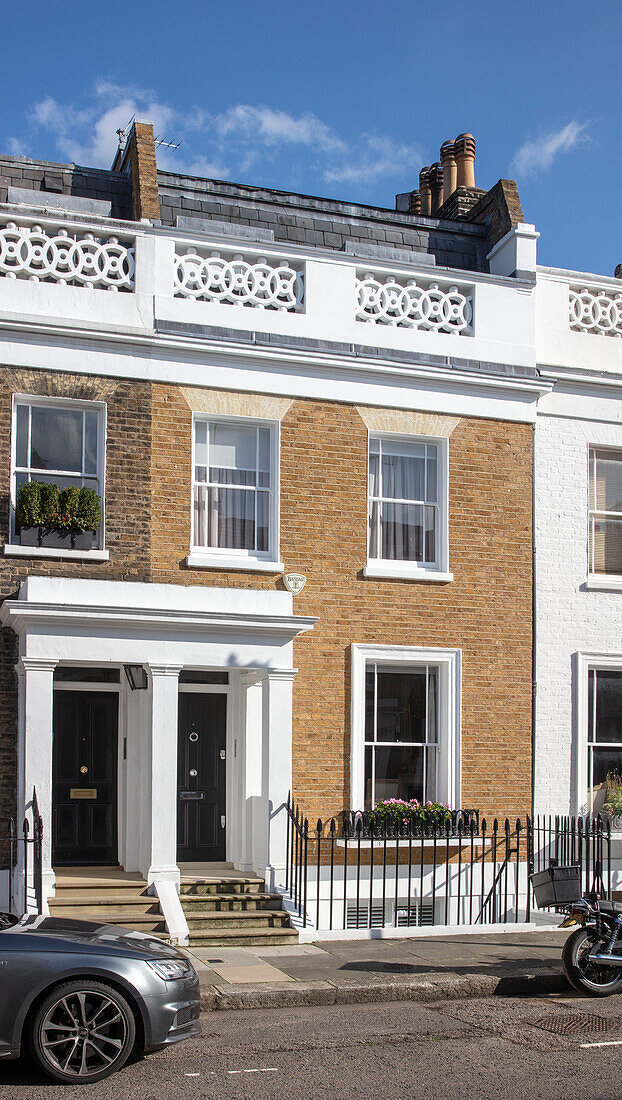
490 1048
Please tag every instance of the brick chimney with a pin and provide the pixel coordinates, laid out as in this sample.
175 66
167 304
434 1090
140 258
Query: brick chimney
136 156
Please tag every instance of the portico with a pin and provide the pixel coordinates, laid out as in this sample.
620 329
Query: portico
233 644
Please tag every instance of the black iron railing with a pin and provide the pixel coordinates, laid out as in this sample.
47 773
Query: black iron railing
22 852
352 872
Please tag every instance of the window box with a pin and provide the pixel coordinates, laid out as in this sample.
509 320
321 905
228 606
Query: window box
55 539
82 540
29 536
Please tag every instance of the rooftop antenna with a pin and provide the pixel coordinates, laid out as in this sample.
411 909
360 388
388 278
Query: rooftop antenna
162 143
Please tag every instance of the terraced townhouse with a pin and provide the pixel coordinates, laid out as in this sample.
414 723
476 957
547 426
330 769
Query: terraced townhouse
310 427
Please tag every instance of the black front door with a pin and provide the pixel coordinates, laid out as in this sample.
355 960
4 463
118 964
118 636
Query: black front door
84 777
201 777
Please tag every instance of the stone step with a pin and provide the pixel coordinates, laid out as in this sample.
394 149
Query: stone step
222 886
259 918
222 903
78 907
234 937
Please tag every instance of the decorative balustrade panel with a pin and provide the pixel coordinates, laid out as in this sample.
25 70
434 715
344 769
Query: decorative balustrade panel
595 311
236 280
70 259
411 304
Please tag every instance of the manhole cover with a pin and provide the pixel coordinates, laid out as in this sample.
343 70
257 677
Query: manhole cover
574 1024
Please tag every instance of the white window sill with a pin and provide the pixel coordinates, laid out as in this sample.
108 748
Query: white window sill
248 565
407 571
15 550
604 582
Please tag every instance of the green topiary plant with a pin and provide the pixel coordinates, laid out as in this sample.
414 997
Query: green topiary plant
87 515
67 507
28 505
49 504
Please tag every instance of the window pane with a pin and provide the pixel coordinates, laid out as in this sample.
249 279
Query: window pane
202 676
374 529
398 773
90 441
200 443
233 448
264 458
374 470
56 439
200 515
60 480
21 443
606 546
602 762
432 709
401 705
430 534
608 706
263 522
232 519
608 489
403 476
432 471
369 801
370 701
402 532
87 674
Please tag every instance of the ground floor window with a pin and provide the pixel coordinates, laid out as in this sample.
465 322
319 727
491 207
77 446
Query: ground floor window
401 732
405 725
604 729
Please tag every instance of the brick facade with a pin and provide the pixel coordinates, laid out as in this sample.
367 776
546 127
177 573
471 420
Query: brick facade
485 611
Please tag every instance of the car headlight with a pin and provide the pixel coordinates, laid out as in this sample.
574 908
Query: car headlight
171 969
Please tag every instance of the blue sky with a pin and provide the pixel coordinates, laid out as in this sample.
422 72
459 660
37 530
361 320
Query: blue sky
344 99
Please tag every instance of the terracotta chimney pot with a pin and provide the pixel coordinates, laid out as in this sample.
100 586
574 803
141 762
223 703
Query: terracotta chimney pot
450 169
464 149
424 191
414 203
436 186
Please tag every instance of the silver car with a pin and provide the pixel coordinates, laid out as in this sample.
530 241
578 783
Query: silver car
82 997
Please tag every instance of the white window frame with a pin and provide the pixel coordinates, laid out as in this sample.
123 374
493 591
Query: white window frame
449 665
13 548
210 557
586 662
414 570
599 580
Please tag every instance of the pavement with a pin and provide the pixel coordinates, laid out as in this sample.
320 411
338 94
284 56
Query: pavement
363 971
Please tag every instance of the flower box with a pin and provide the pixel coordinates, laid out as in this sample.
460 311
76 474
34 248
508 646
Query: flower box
29 536
82 540
55 538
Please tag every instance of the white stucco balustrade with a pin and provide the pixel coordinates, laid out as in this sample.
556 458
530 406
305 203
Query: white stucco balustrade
577 314
186 286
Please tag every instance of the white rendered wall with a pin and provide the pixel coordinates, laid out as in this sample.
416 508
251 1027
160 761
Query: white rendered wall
571 618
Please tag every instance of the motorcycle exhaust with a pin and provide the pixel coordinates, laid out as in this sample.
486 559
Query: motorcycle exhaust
606 960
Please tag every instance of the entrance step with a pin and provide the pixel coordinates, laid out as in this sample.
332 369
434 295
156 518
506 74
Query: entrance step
107 895
233 910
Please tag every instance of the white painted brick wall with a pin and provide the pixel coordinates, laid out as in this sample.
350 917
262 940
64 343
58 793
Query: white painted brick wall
569 618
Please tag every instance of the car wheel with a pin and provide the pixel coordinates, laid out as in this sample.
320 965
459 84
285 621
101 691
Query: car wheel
82 1032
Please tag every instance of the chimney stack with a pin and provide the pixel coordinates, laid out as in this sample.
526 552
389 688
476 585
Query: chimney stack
464 149
450 169
424 191
436 186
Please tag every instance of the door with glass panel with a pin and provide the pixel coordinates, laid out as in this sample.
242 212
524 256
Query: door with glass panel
401 733
604 735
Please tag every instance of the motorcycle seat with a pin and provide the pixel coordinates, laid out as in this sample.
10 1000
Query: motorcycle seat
612 907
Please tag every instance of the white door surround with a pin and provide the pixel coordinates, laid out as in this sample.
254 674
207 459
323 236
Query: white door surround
164 628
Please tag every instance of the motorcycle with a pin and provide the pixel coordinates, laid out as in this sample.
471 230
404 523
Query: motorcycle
592 955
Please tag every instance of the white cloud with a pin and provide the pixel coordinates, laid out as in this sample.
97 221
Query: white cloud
245 139
380 157
272 127
538 154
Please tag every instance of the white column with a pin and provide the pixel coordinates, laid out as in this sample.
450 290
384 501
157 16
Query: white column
163 774
36 696
253 846
276 767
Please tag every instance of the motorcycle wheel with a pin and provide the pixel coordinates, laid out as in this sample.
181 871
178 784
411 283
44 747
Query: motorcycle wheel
587 977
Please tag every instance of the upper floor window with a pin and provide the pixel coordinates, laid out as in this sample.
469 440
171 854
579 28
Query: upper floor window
234 489
61 442
605 511
407 509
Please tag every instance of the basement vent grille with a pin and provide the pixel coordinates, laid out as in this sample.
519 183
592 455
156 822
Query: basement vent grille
363 916
420 914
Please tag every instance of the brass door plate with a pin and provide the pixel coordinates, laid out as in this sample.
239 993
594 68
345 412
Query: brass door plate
83 792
